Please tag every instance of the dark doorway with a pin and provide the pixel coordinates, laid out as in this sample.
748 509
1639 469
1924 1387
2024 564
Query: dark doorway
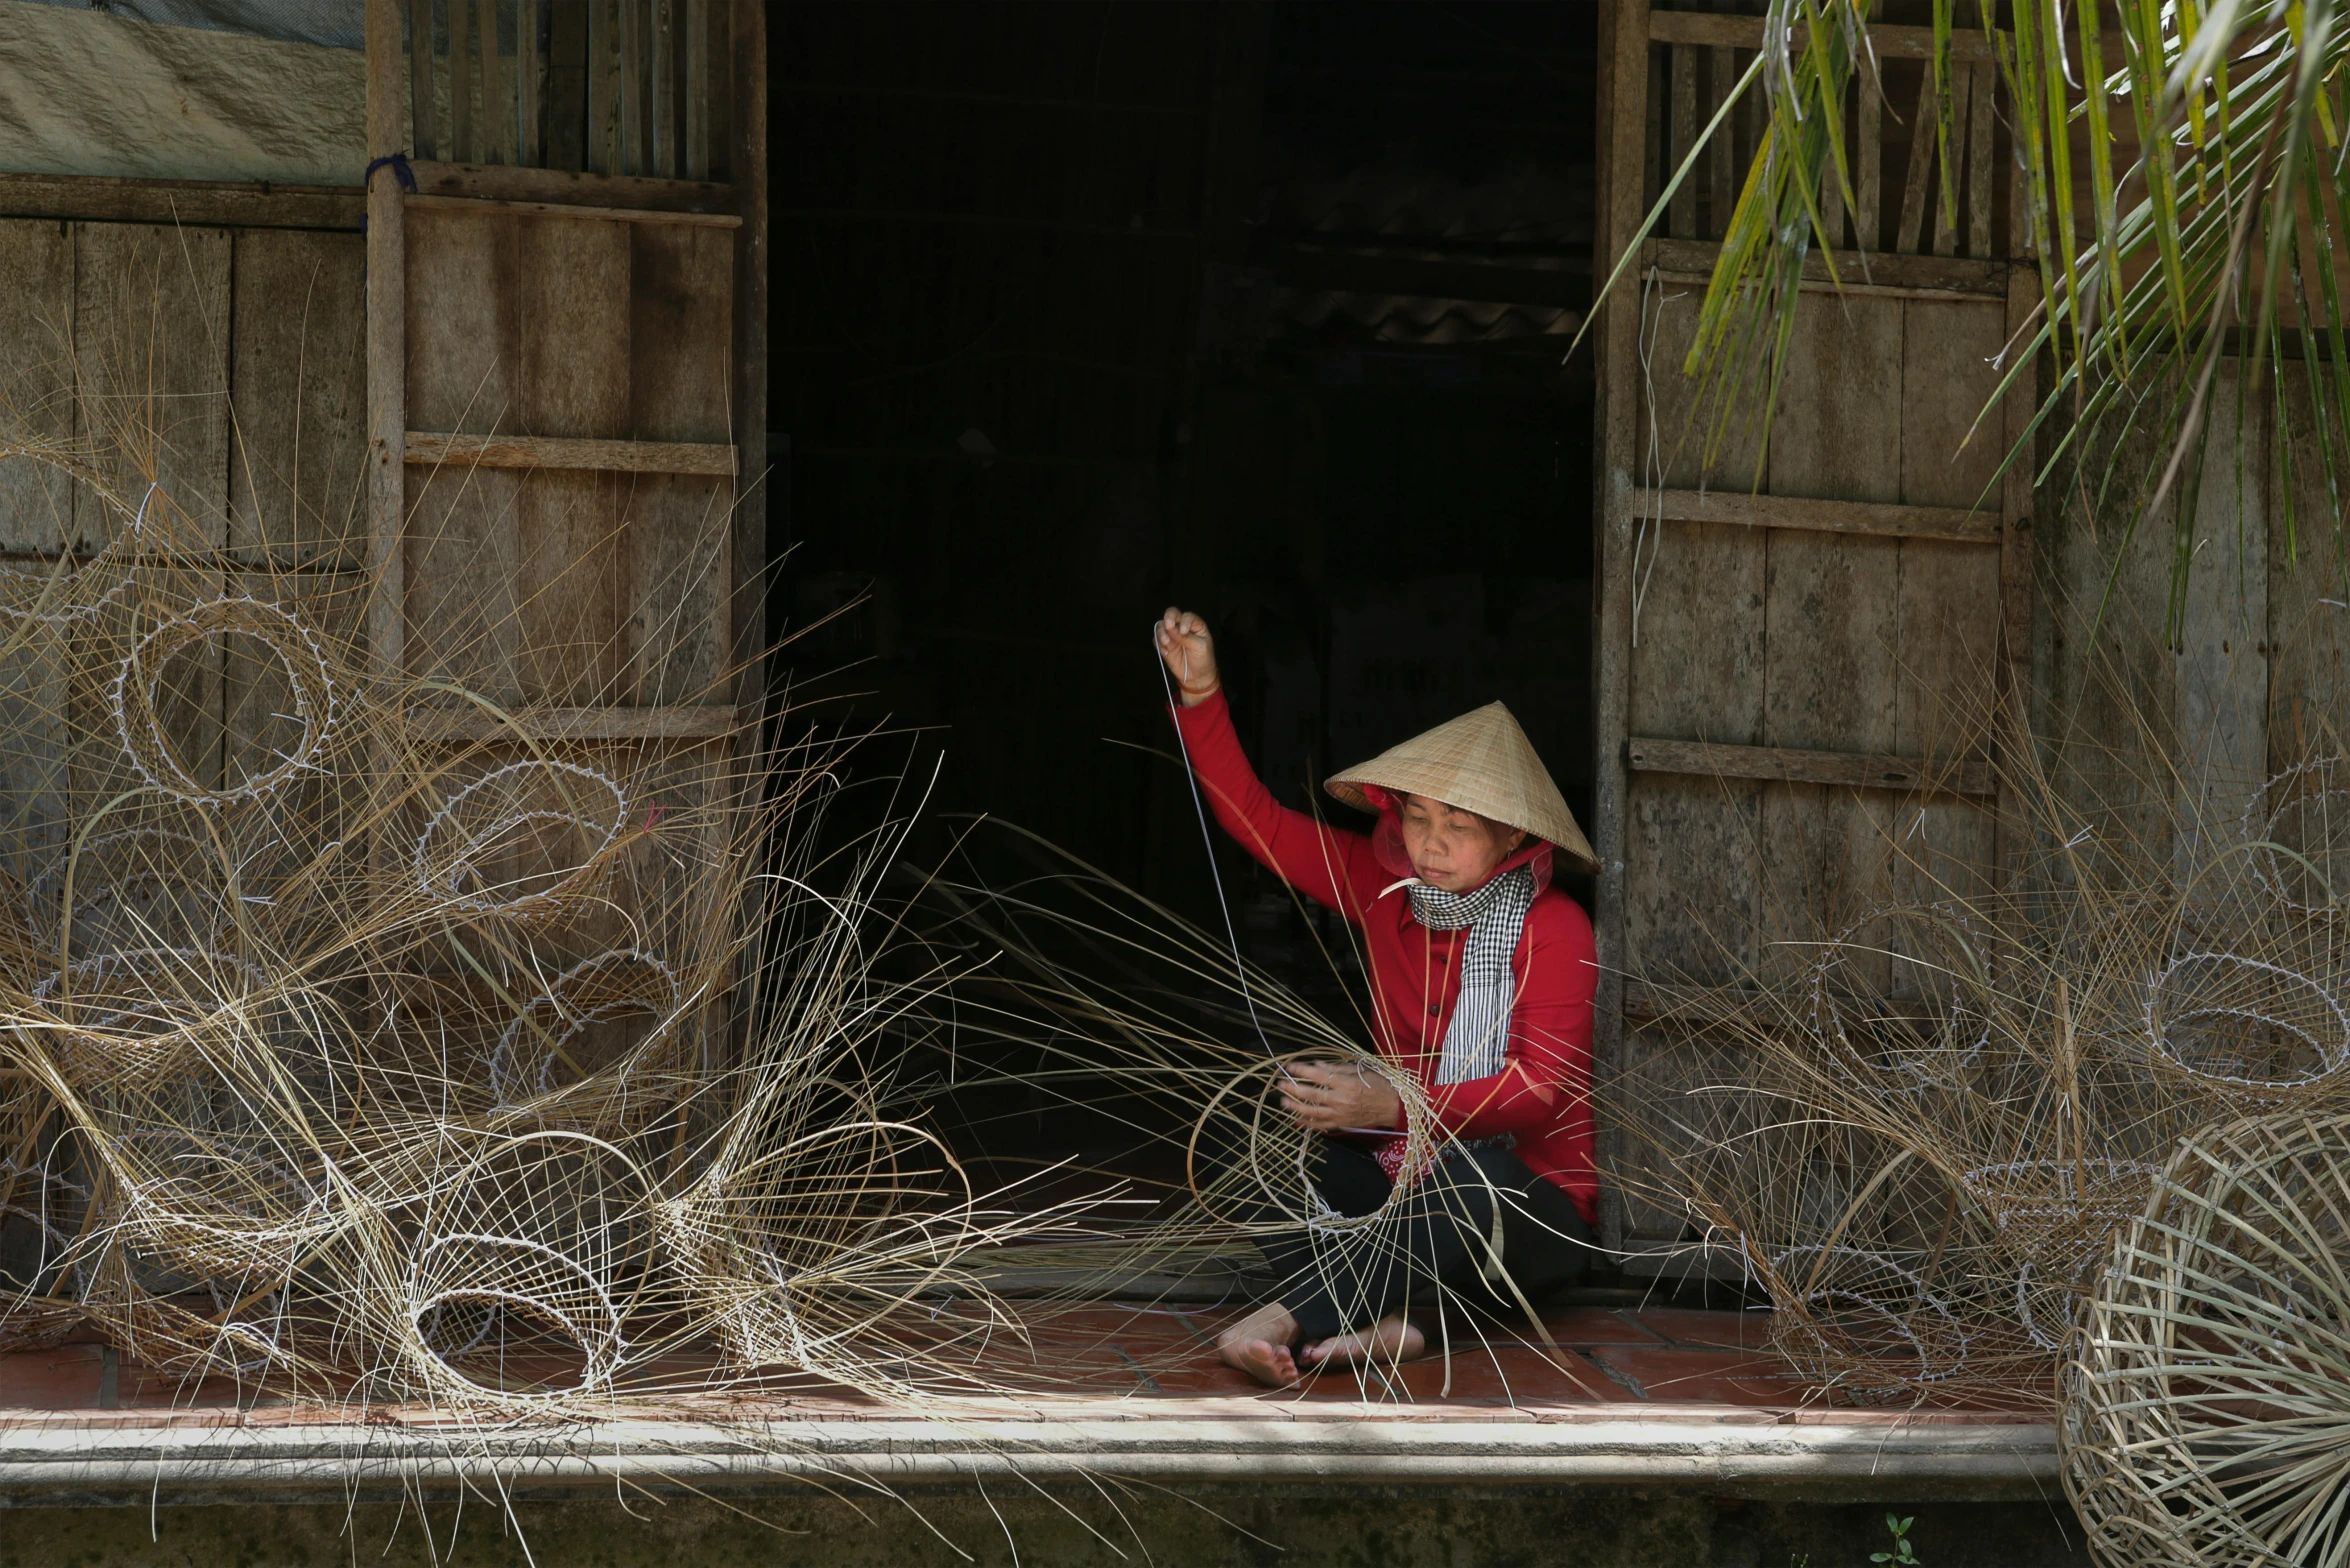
1085 309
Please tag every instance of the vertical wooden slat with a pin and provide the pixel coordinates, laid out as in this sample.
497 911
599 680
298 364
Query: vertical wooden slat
1721 182
1950 628
1953 182
697 89
36 380
459 552
462 145
387 393
150 351
2309 673
1982 177
424 120
2015 568
529 87
1830 607
1626 145
36 517
678 604
663 57
601 149
298 392
570 377
1832 199
298 387
632 88
747 81
1868 136
2222 715
1917 182
2019 219
497 112
1656 92
570 144
1696 662
1684 206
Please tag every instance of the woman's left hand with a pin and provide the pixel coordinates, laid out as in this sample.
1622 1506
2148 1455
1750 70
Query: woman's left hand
1333 1096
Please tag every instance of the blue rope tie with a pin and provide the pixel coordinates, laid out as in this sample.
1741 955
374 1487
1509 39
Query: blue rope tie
397 162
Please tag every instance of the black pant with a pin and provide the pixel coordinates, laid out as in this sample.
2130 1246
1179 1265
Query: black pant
1439 1242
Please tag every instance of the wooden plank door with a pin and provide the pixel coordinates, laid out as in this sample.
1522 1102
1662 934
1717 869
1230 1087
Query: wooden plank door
1794 638
565 381
566 402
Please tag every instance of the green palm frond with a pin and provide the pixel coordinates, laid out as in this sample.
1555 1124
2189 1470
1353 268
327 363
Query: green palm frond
2182 189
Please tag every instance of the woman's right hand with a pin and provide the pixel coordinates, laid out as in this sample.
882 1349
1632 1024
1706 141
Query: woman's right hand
1190 654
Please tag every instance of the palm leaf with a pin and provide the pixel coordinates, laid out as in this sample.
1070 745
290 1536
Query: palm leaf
2215 238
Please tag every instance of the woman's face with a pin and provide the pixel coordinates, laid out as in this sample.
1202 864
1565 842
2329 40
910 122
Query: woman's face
1453 849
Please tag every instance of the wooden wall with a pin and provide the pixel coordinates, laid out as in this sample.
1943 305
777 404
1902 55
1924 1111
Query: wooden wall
2251 676
1804 629
229 355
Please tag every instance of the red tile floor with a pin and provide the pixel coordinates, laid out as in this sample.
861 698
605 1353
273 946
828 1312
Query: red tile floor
1596 1356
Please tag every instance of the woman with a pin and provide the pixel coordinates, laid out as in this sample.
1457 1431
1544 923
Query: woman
1481 974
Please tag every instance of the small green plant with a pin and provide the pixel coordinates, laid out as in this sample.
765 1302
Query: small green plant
1901 1556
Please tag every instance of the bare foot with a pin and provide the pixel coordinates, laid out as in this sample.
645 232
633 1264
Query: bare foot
1393 1338
1259 1345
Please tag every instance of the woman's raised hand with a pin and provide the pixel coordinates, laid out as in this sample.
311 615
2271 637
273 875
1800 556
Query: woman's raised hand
1190 654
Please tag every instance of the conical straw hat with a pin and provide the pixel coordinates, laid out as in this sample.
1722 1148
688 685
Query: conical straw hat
1480 762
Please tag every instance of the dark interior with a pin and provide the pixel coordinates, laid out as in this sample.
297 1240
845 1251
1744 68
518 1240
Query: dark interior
1084 309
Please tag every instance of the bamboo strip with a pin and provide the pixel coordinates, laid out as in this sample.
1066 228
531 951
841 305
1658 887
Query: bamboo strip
1909 228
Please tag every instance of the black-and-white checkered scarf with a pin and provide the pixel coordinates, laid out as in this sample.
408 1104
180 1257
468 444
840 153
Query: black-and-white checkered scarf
1476 1042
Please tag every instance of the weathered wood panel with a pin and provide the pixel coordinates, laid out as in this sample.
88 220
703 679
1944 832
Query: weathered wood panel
36 383
2223 665
1677 447
1693 843
151 359
36 516
1946 637
1832 606
224 362
569 297
298 375
563 586
152 333
2309 628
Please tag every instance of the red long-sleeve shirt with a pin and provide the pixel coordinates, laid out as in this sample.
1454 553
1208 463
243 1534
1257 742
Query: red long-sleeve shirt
1543 1094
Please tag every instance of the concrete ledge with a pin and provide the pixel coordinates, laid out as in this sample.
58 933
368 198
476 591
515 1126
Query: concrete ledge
1735 1454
